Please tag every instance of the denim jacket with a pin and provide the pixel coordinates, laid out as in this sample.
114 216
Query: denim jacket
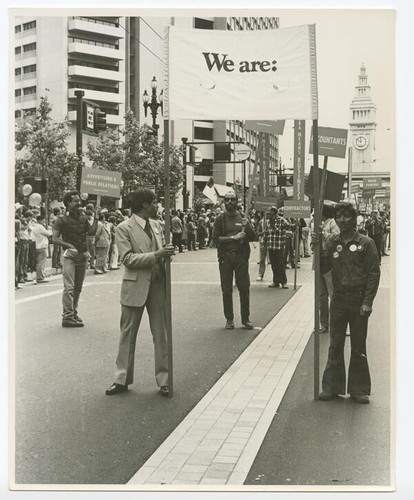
354 264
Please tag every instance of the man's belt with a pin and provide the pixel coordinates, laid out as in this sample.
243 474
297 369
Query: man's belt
350 290
233 251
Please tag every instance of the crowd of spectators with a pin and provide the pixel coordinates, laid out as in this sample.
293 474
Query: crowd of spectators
191 230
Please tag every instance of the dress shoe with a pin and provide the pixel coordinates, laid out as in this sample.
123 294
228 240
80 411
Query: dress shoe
247 325
71 323
327 396
324 329
98 272
27 280
116 389
229 324
41 281
285 286
164 391
362 399
77 318
259 278
273 285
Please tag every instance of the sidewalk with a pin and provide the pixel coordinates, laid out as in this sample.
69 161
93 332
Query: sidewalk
218 442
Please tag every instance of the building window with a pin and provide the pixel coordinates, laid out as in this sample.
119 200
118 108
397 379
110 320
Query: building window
29 47
29 69
100 88
202 133
18 28
76 62
29 111
17 113
203 24
205 168
17 92
17 71
29 90
29 26
17 50
73 39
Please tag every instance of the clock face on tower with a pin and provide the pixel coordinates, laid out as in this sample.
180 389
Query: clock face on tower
361 142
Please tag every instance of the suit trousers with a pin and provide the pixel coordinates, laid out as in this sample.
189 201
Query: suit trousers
345 309
130 322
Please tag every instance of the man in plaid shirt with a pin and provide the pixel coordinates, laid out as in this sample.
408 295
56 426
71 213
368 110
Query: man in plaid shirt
275 238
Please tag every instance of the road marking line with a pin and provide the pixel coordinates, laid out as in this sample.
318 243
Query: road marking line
186 283
43 295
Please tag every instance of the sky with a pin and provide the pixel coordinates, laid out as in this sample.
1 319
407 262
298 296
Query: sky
345 40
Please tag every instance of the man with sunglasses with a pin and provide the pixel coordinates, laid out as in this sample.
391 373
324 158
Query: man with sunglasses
231 235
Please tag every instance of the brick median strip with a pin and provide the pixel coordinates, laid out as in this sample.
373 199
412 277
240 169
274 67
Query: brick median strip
229 424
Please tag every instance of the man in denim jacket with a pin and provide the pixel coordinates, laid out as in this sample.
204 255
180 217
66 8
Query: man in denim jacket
354 260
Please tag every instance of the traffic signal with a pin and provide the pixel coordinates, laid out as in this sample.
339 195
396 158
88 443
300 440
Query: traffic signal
192 154
99 121
38 184
88 116
281 180
222 152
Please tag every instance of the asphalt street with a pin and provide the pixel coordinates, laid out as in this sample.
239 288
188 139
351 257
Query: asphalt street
336 443
67 431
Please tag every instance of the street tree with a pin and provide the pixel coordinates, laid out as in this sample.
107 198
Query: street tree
136 153
41 145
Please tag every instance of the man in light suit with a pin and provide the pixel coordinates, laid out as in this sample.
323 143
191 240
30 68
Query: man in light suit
140 243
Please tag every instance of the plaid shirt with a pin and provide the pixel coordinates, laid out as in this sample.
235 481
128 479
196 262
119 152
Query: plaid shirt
275 233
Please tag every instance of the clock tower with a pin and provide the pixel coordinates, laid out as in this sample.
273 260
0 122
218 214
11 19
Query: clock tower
362 126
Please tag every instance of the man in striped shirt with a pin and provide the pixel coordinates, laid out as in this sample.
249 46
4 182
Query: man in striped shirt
275 239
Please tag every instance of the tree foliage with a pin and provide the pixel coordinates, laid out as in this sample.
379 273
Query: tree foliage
136 153
41 144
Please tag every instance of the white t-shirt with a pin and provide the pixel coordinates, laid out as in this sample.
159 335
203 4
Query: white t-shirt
40 235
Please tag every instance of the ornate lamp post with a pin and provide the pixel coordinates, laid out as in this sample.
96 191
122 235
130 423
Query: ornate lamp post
155 103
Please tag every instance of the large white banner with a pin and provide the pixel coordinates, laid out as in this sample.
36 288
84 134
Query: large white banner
240 75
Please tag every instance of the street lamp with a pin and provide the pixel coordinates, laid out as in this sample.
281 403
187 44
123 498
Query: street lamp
155 103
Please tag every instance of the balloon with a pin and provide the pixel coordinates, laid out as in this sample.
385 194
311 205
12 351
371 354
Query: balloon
35 199
84 196
27 189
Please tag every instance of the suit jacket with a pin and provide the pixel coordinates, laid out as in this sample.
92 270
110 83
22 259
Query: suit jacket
138 258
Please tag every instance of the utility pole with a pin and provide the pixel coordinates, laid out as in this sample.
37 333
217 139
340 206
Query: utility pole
79 120
185 194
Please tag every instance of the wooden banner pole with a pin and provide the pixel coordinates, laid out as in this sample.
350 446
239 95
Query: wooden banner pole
296 254
316 255
168 305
